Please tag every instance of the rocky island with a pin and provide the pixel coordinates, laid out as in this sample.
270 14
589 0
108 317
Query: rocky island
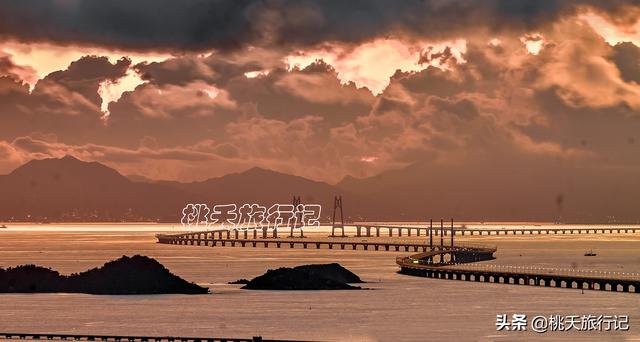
307 277
126 275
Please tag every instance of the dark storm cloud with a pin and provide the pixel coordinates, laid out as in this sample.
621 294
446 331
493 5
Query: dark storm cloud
85 75
626 56
65 102
200 24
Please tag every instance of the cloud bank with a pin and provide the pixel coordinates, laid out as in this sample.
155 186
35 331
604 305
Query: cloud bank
327 89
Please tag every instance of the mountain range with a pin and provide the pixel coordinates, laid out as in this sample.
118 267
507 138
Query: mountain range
68 189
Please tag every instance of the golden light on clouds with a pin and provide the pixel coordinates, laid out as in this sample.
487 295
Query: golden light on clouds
42 59
111 91
611 33
371 64
533 42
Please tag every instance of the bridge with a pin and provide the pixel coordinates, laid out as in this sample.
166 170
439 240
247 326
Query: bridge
209 239
452 261
382 230
422 265
363 229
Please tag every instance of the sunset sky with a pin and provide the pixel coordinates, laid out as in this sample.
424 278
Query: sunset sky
187 90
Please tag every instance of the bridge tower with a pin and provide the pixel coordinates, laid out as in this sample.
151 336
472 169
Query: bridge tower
452 232
337 205
431 234
441 234
298 219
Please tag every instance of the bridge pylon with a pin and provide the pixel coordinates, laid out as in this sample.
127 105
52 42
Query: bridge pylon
452 232
298 212
441 233
431 234
337 206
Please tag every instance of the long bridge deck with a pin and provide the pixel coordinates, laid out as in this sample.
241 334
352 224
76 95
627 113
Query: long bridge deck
377 229
434 261
548 277
199 239
363 230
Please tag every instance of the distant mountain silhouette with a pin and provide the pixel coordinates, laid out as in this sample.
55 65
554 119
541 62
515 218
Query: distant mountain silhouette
545 192
140 179
266 187
68 189
262 186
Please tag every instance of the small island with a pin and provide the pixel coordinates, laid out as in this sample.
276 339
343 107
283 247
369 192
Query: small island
239 281
126 275
307 277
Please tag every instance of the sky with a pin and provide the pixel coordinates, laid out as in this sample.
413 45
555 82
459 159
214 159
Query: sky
187 90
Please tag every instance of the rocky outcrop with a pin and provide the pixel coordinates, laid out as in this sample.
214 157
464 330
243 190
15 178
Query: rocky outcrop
307 277
126 275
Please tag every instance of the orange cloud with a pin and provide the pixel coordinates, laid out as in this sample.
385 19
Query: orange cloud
371 64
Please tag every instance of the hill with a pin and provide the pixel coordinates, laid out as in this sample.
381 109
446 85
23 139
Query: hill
547 191
68 189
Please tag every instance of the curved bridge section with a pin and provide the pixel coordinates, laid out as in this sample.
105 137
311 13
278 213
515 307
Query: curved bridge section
427 265
449 255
